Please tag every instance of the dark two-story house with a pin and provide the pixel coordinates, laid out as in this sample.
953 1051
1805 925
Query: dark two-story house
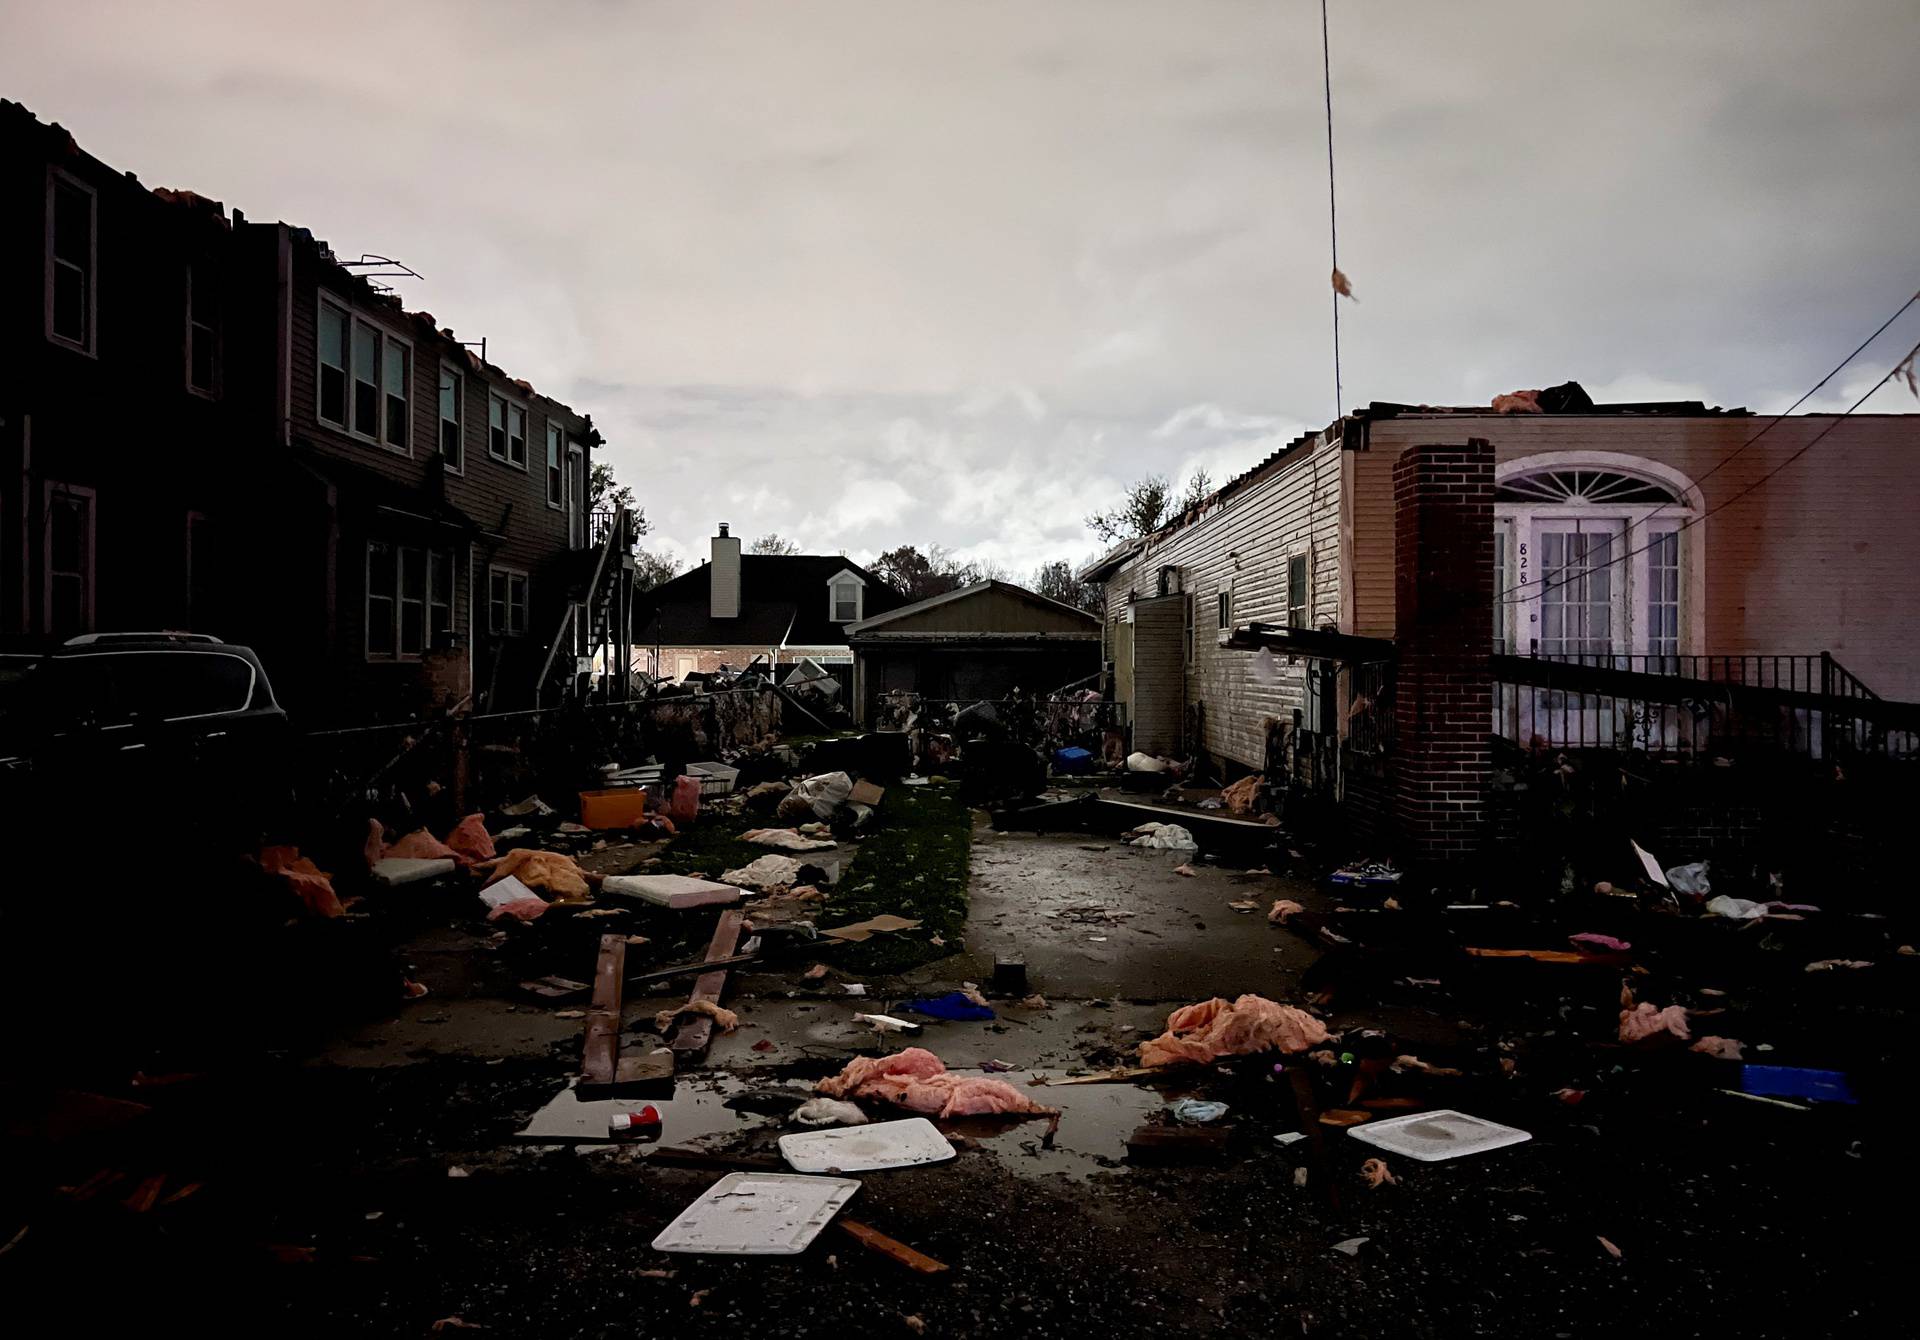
215 425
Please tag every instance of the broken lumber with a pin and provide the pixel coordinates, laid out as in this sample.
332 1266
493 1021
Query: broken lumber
1105 1076
872 1238
691 1035
600 1059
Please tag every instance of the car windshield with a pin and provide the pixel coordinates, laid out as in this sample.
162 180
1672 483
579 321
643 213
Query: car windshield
116 687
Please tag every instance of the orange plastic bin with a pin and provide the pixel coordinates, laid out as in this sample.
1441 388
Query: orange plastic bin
621 807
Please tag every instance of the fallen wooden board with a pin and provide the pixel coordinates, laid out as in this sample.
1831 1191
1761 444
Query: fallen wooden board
692 1033
600 1058
1177 1144
871 1237
1551 956
1105 1076
886 923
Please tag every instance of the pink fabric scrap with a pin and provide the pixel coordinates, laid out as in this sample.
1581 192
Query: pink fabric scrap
1644 1021
1283 908
524 909
420 845
1594 942
470 842
917 1080
1215 1028
1721 1049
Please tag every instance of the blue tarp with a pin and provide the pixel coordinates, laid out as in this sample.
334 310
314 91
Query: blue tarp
953 1005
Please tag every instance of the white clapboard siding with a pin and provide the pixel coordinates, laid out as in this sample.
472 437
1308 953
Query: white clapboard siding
1243 544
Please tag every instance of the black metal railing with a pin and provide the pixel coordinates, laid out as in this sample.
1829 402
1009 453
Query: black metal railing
1805 704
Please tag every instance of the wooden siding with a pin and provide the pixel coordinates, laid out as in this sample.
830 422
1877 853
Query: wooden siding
1824 556
502 498
993 611
1243 544
1159 628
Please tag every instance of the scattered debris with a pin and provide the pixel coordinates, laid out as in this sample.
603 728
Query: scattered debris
722 1016
1166 837
1197 1112
1283 909
1377 1173
885 924
758 1214
786 839
906 1143
917 1080
955 1005
829 1112
1645 1020
1217 1027
1187 870
1434 1136
1612 1250
1721 1049
1352 1246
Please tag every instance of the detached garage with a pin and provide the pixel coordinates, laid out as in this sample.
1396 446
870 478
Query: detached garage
981 641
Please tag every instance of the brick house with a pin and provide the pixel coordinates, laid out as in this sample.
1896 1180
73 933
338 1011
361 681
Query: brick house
215 425
1668 538
736 608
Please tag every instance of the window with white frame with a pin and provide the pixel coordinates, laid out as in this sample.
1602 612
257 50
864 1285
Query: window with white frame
1592 560
366 378
72 257
67 560
409 599
1225 601
334 324
506 431
846 600
1297 594
556 465
203 328
453 419
506 601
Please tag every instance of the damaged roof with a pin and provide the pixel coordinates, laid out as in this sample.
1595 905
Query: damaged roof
1568 398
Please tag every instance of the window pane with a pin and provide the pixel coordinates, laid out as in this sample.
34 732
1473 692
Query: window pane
553 464
516 435
497 602
380 625
366 373
450 417
497 426
333 365
333 337
201 287
200 354
412 627
72 224
69 302
399 392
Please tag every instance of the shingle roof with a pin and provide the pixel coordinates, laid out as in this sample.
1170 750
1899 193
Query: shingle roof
783 599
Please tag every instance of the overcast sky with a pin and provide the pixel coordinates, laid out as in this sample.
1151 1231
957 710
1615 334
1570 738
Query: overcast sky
887 271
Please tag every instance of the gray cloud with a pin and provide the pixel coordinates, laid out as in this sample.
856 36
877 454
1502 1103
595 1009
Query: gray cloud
866 273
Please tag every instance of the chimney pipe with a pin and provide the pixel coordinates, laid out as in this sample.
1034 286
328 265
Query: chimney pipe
723 576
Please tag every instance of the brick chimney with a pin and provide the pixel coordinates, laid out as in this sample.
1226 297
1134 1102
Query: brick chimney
723 575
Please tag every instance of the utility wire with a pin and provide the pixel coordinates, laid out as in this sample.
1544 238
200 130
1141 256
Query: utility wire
1728 459
1333 218
1728 501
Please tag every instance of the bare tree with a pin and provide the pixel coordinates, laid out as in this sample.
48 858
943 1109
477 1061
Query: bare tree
917 576
771 543
651 570
1148 504
1198 488
1056 581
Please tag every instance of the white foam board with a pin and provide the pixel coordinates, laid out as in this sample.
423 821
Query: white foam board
883 1144
1433 1136
757 1214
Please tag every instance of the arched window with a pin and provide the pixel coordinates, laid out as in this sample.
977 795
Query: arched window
1589 559
1575 487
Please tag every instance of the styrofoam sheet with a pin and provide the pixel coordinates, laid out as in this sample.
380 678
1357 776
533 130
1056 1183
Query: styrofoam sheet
883 1144
1433 1136
757 1214
394 871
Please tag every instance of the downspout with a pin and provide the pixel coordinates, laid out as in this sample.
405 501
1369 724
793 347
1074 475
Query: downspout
26 517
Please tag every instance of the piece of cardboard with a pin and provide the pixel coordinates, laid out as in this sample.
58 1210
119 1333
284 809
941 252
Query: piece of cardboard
866 793
861 930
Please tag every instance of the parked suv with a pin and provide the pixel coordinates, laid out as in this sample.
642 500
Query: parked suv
177 723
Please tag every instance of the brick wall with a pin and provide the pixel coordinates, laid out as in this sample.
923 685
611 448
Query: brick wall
1443 576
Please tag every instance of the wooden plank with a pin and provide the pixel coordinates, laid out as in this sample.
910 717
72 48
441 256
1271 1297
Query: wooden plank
871 1237
601 1058
703 967
1105 1076
692 1033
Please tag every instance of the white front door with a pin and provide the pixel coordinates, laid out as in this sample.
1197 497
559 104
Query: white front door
1572 608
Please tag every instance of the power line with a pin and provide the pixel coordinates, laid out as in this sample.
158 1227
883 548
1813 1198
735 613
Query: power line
1728 501
1773 423
1333 218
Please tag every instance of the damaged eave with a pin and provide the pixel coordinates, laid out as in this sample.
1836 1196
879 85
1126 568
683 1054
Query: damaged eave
1322 644
970 639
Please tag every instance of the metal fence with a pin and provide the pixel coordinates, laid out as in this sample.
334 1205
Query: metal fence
1803 704
1051 722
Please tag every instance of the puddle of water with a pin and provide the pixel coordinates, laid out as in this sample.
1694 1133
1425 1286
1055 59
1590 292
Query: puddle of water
1095 1121
690 1114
